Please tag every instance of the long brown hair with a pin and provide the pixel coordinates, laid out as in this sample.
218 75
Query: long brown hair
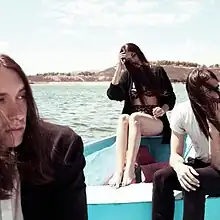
7 163
33 155
202 102
142 76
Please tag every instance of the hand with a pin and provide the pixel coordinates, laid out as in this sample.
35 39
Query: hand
122 57
158 112
120 64
186 176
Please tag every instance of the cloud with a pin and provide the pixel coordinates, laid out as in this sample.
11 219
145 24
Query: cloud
120 14
189 6
3 46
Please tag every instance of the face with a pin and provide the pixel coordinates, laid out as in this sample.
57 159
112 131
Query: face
133 58
13 107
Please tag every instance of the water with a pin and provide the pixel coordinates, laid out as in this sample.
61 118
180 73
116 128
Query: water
84 107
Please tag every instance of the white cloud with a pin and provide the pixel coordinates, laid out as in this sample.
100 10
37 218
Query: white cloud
120 14
4 46
188 3
189 6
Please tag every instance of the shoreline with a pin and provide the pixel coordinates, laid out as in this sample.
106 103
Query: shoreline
176 74
80 82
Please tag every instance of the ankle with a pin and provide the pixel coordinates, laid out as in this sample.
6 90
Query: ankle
129 169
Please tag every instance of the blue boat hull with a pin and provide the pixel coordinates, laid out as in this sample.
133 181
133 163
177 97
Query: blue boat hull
142 211
132 202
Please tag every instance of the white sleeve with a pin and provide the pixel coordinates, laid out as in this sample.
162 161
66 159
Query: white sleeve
177 119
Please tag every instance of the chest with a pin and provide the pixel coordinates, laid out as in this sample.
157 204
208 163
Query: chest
196 135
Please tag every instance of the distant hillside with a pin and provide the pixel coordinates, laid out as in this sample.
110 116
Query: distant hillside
175 73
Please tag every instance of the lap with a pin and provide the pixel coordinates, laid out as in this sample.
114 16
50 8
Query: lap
208 176
209 180
149 125
167 177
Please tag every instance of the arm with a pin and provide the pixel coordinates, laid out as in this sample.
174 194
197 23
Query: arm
185 174
177 136
169 99
71 189
118 86
117 75
177 147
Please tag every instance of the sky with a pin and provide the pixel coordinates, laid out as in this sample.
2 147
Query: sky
76 35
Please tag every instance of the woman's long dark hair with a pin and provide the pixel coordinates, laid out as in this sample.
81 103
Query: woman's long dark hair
7 163
142 76
201 101
33 154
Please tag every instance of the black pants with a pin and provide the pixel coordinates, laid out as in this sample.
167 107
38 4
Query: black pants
165 181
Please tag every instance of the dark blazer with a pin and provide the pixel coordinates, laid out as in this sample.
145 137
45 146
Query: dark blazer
65 197
121 92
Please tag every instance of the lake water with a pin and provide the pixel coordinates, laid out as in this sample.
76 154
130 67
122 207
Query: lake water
85 107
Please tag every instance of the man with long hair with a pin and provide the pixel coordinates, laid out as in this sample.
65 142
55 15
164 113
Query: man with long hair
198 118
48 158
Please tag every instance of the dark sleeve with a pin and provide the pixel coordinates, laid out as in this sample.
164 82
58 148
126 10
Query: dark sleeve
169 96
65 196
118 92
70 193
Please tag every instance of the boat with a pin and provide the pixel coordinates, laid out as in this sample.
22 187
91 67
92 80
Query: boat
133 202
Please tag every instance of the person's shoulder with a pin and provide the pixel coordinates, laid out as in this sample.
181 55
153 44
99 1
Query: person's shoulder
180 111
53 127
183 107
57 132
156 68
182 104
64 140
178 117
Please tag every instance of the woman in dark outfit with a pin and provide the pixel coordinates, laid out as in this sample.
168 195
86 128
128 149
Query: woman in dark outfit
148 95
49 157
196 178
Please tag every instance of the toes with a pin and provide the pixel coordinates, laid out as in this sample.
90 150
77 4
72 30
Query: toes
127 180
117 186
116 180
111 182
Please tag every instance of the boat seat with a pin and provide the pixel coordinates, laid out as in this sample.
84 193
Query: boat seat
141 192
154 136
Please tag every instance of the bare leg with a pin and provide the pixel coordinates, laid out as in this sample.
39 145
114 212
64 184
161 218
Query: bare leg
121 148
139 124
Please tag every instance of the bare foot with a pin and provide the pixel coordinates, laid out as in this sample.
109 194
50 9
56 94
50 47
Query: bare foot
116 180
128 177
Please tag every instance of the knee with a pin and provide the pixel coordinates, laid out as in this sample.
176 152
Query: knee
134 118
123 119
158 177
161 176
